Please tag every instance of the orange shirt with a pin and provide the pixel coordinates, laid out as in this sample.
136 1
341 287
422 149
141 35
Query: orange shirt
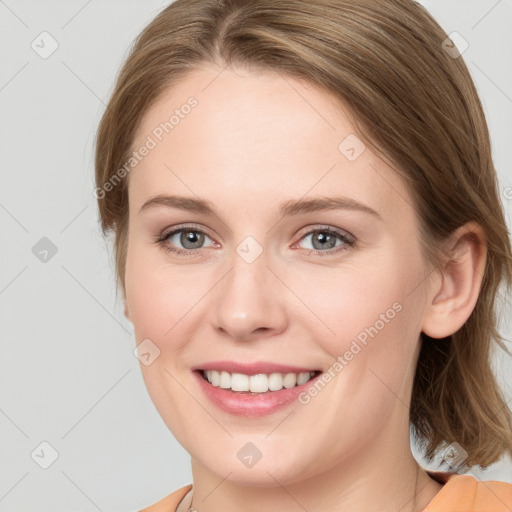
460 493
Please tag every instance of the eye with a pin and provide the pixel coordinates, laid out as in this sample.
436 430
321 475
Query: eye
184 240
188 240
323 240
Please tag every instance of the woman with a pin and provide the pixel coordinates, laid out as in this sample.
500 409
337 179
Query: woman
309 242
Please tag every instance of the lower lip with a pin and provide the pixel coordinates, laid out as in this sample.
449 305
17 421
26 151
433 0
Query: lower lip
246 404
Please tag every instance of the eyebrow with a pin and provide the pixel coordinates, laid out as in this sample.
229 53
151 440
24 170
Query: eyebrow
287 208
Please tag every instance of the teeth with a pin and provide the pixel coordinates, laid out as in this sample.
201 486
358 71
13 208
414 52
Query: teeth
303 378
260 383
239 382
225 380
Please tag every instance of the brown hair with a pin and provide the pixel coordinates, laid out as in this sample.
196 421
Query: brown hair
412 102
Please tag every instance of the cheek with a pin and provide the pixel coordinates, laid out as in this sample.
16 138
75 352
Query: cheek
159 296
160 299
355 301
368 322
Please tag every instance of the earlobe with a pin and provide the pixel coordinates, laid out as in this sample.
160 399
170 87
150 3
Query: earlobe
455 287
126 311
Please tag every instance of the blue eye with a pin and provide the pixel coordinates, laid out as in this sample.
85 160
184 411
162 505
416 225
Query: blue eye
190 238
323 240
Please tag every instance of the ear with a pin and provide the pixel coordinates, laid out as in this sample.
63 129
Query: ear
456 285
126 310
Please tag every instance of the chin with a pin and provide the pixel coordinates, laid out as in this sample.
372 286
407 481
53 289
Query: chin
271 470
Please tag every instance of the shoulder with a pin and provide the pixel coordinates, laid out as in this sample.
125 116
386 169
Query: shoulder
170 502
464 493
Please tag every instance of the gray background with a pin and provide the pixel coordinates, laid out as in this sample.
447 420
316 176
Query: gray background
68 374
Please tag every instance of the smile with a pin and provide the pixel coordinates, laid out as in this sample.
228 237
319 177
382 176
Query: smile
253 394
259 383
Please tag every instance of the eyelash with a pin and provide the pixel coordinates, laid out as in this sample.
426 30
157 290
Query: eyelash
348 240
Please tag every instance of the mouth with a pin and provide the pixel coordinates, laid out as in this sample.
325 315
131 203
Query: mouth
256 384
253 389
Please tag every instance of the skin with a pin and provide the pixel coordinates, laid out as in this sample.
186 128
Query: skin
256 139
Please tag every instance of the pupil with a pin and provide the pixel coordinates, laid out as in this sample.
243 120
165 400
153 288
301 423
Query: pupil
192 237
324 240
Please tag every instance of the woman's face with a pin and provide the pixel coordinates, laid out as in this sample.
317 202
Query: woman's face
256 284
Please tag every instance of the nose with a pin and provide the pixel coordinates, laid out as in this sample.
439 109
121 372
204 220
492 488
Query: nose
249 302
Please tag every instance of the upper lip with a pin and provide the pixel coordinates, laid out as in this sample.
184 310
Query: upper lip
252 368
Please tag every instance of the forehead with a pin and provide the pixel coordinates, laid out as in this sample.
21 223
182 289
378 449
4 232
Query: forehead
220 133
